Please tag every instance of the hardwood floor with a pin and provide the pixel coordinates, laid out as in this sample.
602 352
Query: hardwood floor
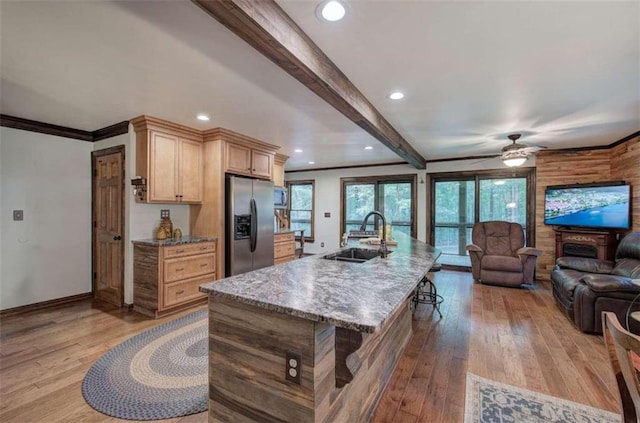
514 336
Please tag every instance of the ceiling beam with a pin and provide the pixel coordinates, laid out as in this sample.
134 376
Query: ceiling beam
268 29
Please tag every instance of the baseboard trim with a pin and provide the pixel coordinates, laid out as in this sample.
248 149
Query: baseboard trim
45 304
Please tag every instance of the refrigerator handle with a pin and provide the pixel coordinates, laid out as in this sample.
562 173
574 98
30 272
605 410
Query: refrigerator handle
254 224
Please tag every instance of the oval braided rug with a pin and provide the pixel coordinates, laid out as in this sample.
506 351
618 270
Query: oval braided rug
158 374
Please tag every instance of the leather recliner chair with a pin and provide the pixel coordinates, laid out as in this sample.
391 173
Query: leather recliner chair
583 287
498 255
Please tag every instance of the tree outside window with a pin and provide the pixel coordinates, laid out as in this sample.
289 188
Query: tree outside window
393 195
301 207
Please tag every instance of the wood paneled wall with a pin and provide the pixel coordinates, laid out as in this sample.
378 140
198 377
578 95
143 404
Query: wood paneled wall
556 168
625 165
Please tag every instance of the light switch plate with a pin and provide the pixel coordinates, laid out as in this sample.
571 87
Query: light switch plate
18 215
165 213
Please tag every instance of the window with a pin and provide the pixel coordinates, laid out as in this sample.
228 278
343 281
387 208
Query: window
301 202
459 200
394 196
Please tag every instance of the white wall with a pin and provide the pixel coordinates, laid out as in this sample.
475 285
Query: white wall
327 194
48 254
141 220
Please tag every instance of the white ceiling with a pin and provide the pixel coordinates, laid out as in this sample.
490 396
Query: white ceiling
565 74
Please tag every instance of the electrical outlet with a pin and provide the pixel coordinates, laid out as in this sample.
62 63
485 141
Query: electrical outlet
165 213
293 367
18 215
322 244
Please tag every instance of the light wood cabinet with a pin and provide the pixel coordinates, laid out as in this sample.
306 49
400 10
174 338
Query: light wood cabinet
166 278
190 171
284 247
278 169
169 156
243 160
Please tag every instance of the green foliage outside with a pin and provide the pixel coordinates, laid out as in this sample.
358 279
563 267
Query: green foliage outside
393 200
301 198
499 199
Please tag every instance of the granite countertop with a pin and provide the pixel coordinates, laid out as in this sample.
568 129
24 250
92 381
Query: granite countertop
358 296
284 231
173 241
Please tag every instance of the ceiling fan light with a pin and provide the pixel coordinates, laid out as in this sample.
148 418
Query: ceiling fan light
514 161
514 158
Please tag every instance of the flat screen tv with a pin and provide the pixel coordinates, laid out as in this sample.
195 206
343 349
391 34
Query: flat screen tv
603 205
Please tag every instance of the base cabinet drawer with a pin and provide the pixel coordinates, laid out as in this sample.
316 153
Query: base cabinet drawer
189 249
189 267
166 278
284 250
184 291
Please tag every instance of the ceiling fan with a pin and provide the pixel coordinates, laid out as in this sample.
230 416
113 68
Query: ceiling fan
516 154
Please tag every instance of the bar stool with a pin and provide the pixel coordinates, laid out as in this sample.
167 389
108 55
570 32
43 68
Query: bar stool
427 293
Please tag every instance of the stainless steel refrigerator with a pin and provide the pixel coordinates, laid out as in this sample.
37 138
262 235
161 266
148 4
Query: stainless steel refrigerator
249 225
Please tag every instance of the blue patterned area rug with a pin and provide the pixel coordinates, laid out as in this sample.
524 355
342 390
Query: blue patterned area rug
158 374
489 401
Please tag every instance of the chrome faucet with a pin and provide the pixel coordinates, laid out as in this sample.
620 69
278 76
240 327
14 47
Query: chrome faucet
383 242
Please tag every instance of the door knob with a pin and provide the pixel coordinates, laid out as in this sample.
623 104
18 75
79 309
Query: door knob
117 238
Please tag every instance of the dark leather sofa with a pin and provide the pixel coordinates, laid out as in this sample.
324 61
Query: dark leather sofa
583 288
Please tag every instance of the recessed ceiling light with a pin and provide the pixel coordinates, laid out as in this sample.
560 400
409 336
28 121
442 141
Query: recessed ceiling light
368 147
396 95
298 150
331 10
312 162
203 117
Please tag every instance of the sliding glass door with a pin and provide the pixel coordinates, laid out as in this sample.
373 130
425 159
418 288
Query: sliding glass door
459 200
504 199
454 215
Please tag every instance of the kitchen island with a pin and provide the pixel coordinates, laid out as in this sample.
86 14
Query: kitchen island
313 340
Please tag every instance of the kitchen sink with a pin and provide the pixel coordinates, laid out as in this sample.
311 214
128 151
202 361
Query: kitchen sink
353 255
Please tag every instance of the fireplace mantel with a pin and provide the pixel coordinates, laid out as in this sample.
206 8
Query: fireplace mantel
581 242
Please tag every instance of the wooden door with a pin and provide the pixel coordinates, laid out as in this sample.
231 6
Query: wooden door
108 225
238 159
261 164
163 168
190 171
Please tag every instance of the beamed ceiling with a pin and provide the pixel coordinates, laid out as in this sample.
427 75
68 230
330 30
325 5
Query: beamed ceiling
564 74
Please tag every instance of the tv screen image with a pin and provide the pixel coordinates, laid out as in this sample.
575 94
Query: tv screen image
588 206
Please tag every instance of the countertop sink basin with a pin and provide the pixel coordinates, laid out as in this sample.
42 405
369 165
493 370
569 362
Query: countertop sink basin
353 255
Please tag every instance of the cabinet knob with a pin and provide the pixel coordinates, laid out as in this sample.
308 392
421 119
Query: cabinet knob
180 269
180 292
117 238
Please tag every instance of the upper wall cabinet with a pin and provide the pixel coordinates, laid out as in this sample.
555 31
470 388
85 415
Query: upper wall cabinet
243 155
169 156
248 161
278 169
